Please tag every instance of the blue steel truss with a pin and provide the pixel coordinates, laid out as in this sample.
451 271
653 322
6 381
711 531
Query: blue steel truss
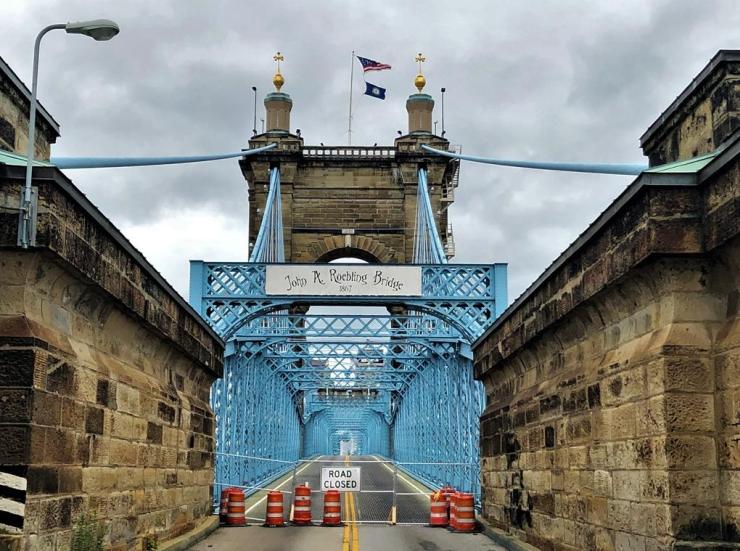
467 296
297 384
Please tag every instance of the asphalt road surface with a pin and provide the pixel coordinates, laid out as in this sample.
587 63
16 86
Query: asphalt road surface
365 516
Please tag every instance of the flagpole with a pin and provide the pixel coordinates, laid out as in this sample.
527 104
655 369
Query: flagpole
351 83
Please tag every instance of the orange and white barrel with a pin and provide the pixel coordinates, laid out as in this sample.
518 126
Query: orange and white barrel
274 513
448 491
223 505
438 508
235 508
465 512
453 511
332 508
302 505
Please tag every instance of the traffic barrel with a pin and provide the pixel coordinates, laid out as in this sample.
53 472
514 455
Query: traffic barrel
223 505
453 511
302 505
235 508
464 512
438 508
447 493
332 508
274 514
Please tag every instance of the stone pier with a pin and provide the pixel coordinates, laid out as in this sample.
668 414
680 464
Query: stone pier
105 374
613 382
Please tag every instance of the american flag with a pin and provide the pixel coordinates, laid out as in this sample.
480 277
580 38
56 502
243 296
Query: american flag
371 65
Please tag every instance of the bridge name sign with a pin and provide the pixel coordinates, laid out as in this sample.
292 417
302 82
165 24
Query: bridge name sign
344 479
343 280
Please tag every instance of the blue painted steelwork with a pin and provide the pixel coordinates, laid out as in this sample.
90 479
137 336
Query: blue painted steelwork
231 294
365 430
270 243
256 418
398 385
114 162
591 168
428 247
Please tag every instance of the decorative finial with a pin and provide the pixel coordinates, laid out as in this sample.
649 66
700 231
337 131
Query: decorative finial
420 81
278 79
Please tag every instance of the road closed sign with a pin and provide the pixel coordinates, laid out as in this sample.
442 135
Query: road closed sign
344 479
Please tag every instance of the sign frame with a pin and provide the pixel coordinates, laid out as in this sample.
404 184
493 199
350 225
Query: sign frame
343 280
343 479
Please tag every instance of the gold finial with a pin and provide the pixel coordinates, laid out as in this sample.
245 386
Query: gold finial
278 79
420 81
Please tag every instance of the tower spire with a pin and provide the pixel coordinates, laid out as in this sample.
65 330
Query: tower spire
278 79
420 81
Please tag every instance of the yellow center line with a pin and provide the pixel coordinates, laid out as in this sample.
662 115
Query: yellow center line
347 517
351 536
355 532
345 537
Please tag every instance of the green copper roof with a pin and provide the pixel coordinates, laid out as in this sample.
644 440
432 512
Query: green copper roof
687 166
13 159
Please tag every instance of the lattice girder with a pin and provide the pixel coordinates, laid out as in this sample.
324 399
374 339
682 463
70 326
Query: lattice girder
468 296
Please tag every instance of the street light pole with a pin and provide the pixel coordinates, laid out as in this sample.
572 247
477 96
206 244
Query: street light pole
254 124
443 111
99 29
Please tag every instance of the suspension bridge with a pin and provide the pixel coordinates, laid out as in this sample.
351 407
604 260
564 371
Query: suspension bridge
331 364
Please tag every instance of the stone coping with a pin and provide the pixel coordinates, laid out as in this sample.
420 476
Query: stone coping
722 57
74 230
659 213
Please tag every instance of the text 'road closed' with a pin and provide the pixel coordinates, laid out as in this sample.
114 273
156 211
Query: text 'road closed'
344 479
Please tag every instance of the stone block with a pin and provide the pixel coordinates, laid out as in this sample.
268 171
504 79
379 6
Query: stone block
624 541
602 483
98 479
17 367
73 414
94 420
629 485
643 515
690 452
128 399
70 480
42 480
694 487
598 510
689 412
60 446
15 405
623 387
47 408
123 452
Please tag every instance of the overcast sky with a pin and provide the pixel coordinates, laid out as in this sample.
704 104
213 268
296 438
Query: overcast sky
547 80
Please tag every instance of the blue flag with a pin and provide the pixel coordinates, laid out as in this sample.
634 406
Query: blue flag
374 91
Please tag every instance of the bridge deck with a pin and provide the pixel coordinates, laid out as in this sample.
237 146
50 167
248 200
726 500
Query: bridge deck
371 509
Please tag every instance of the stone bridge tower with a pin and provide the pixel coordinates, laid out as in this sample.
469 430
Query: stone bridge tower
350 201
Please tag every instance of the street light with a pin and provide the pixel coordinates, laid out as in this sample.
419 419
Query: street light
443 111
98 29
254 126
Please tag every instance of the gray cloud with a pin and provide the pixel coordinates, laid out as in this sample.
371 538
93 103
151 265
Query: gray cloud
550 80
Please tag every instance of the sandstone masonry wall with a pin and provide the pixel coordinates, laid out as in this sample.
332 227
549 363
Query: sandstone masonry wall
14 114
374 197
105 376
612 417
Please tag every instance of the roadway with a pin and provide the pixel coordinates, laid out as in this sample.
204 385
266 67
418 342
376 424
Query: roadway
365 516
